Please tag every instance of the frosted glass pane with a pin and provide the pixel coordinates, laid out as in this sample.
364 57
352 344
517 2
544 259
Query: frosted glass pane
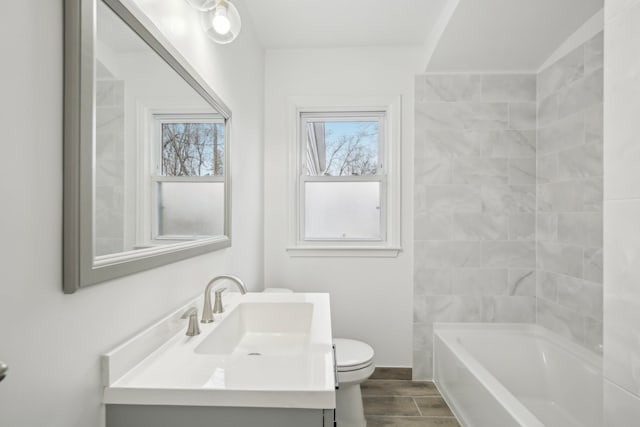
342 210
190 209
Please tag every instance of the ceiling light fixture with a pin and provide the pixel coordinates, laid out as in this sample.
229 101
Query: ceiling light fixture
220 19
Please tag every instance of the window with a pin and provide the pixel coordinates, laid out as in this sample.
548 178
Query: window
346 184
343 177
187 176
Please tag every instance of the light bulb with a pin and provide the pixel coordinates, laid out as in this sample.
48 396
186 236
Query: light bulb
221 23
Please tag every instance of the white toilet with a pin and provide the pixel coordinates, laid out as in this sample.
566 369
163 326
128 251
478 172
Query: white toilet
355 365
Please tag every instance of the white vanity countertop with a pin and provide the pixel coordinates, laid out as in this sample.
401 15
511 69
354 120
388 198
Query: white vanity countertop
163 366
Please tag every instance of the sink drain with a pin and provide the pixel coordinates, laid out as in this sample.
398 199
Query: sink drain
255 354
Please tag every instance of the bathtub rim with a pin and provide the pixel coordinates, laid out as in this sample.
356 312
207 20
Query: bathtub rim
446 332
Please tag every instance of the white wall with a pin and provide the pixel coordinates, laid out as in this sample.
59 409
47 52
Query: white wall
371 298
621 212
51 341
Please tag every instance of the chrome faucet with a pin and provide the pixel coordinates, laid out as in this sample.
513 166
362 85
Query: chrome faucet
193 329
207 311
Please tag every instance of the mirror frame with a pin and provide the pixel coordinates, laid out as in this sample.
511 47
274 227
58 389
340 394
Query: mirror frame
80 268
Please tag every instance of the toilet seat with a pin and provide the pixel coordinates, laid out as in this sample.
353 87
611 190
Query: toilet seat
352 355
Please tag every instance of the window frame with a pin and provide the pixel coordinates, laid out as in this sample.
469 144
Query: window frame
346 108
151 173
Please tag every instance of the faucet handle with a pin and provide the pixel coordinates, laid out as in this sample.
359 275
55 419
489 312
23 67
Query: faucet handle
217 305
192 314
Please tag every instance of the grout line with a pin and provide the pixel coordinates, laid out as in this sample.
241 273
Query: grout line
427 417
415 403
419 396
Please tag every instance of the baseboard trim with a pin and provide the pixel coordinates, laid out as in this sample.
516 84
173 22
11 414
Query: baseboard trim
391 373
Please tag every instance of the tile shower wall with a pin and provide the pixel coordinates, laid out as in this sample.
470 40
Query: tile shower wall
475 201
569 195
110 175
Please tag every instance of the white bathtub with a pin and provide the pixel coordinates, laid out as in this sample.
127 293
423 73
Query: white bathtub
495 375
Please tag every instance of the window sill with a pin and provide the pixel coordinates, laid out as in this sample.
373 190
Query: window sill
344 251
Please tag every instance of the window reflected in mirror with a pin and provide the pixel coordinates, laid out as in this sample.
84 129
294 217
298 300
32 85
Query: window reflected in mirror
159 150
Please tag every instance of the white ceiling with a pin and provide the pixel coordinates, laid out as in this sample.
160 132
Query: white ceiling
482 35
342 23
515 35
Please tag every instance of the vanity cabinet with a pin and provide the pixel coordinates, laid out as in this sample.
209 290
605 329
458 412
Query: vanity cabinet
215 416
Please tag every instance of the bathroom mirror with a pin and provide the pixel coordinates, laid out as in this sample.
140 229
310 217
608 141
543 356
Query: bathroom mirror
146 148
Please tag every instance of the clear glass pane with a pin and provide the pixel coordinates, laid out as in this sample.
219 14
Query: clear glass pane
342 210
190 209
192 149
342 148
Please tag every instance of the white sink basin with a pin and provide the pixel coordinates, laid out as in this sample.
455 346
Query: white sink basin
262 329
265 350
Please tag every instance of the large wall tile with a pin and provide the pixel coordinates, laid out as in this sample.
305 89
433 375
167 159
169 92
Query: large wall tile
479 226
479 281
593 124
522 282
444 143
561 134
508 198
594 53
584 93
593 335
562 73
547 227
561 259
592 265
441 143
573 228
509 254
448 198
546 168
565 196
522 171
509 88
453 308
581 296
462 115
547 285
522 226
433 170
452 87
593 194
433 254
547 111
507 143
433 225
479 170
580 162
522 115
518 309
561 320
430 281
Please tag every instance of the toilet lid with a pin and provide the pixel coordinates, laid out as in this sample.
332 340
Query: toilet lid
352 354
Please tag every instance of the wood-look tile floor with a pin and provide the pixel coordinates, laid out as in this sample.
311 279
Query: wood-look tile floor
404 403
